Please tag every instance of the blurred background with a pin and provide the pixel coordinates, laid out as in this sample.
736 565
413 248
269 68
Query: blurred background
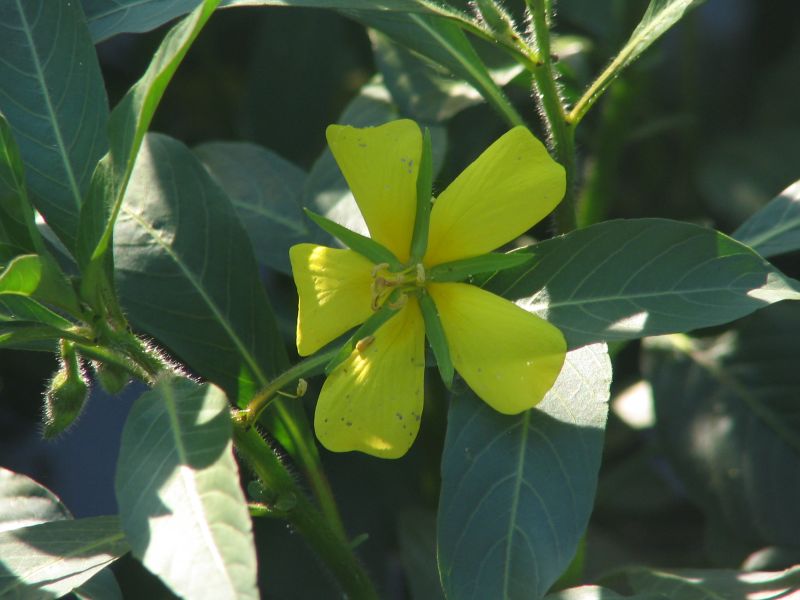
703 128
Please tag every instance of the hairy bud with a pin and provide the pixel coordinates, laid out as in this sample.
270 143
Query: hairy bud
495 17
65 395
112 378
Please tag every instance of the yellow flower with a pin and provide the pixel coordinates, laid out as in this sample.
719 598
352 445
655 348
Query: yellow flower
372 401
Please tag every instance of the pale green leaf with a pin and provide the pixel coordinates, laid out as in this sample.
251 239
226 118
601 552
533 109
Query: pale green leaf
21 276
177 486
51 92
775 229
265 190
633 278
517 490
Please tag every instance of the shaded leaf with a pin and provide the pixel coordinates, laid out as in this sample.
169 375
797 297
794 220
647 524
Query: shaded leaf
701 584
727 417
593 592
633 278
416 534
265 190
178 491
517 490
775 229
51 92
187 275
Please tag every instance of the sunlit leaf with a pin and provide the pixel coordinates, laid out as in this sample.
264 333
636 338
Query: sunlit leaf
775 229
633 278
21 276
517 491
51 92
178 491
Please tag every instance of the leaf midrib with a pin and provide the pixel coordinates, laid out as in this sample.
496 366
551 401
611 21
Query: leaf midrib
73 184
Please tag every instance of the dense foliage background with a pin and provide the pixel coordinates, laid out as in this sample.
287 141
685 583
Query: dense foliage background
703 128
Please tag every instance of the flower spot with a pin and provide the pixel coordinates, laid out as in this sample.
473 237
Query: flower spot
349 423
399 416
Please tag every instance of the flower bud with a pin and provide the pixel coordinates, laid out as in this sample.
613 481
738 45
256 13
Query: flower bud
66 394
495 17
112 378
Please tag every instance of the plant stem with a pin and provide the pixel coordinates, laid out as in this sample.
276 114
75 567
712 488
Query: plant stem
332 548
561 131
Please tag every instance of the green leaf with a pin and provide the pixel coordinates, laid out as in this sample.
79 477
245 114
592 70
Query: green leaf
459 270
22 308
111 17
24 503
726 408
127 126
442 41
18 233
178 491
102 586
628 279
517 490
51 559
52 93
659 17
21 276
365 246
775 229
419 239
187 275
265 190
702 584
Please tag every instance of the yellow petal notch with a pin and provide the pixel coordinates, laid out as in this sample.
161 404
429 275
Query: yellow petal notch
334 287
381 165
508 356
509 188
372 402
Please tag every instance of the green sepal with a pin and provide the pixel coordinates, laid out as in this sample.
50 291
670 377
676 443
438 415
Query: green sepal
365 246
459 270
437 338
370 326
419 239
495 17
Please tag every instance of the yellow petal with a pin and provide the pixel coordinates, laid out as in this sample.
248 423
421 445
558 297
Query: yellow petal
509 188
508 356
372 402
380 165
334 287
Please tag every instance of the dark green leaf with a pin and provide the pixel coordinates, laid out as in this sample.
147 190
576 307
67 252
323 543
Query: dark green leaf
127 126
18 234
26 335
110 17
775 229
459 270
365 246
178 491
517 490
51 559
265 190
633 278
52 94
727 417
702 584
187 275
22 308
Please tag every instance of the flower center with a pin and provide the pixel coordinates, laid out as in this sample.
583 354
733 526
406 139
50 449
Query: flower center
395 284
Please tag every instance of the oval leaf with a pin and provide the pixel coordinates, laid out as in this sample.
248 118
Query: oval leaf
517 490
633 278
178 491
